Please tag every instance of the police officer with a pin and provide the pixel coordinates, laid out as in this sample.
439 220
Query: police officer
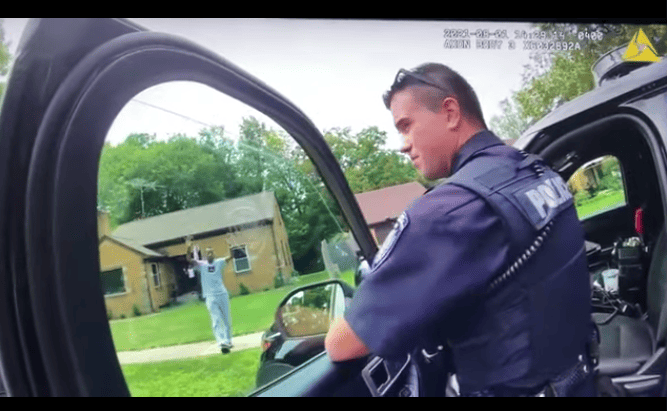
488 267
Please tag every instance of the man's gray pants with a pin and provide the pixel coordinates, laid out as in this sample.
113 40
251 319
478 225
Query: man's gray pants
221 322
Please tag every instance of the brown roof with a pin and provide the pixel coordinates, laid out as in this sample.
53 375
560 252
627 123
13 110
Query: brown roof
134 247
388 203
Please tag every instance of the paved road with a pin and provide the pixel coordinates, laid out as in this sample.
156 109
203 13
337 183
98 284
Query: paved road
180 352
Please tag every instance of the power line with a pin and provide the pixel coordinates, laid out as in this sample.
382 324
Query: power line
259 150
171 112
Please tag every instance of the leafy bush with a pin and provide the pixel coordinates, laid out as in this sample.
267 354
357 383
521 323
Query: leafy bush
611 182
244 289
580 197
295 273
136 311
109 315
593 190
278 280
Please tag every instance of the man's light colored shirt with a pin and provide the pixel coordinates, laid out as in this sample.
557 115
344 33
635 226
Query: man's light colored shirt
211 276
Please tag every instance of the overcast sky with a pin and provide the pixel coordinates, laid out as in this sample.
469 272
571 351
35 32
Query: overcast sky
334 70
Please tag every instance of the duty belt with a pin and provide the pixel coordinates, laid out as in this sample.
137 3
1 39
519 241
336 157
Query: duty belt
566 384
400 377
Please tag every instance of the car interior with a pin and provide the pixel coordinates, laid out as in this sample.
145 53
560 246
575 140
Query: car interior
631 241
632 321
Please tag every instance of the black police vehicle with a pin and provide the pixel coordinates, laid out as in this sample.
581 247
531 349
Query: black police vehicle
73 76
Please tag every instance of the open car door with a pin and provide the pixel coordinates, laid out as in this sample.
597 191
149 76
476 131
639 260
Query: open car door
70 79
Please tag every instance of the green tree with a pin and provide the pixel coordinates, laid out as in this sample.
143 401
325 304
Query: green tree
5 59
555 78
142 177
252 163
512 123
310 213
215 142
367 163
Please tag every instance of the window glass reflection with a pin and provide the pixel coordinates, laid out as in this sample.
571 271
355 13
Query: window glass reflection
598 187
202 233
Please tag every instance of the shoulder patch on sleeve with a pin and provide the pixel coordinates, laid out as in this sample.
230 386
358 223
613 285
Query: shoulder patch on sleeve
390 242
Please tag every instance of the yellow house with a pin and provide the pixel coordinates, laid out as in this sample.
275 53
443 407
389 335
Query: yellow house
143 262
134 277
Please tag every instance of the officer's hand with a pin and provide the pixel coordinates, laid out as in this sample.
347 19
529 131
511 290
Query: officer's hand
342 343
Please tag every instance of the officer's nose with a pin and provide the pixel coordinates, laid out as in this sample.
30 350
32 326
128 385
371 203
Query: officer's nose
407 145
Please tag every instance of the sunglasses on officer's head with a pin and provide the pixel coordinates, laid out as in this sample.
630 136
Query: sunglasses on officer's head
400 78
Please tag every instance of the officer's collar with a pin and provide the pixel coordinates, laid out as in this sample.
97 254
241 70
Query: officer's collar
480 141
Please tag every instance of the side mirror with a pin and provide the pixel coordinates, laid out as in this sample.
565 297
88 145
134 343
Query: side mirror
309 310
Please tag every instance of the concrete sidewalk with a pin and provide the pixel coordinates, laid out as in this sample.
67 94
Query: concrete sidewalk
179 352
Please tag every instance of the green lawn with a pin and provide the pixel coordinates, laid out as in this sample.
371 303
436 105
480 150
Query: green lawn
601 203
231 375
190 322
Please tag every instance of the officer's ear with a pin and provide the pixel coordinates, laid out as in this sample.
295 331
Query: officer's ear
452 110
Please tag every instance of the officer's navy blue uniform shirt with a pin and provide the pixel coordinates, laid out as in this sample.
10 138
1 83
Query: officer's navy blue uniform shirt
444 251
459 268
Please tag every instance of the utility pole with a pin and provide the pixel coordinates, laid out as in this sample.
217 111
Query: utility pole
141 183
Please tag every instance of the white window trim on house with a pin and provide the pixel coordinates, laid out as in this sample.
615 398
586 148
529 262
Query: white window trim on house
156 274
247 257
283 254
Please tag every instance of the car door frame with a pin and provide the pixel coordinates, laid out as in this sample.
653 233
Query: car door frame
59 342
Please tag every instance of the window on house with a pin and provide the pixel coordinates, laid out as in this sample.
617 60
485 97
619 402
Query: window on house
113 281
241 260
597 187
155 269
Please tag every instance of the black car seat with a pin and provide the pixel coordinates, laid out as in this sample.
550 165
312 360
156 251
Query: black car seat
632 350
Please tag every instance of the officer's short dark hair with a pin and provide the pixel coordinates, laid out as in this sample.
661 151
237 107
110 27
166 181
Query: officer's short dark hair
449 84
